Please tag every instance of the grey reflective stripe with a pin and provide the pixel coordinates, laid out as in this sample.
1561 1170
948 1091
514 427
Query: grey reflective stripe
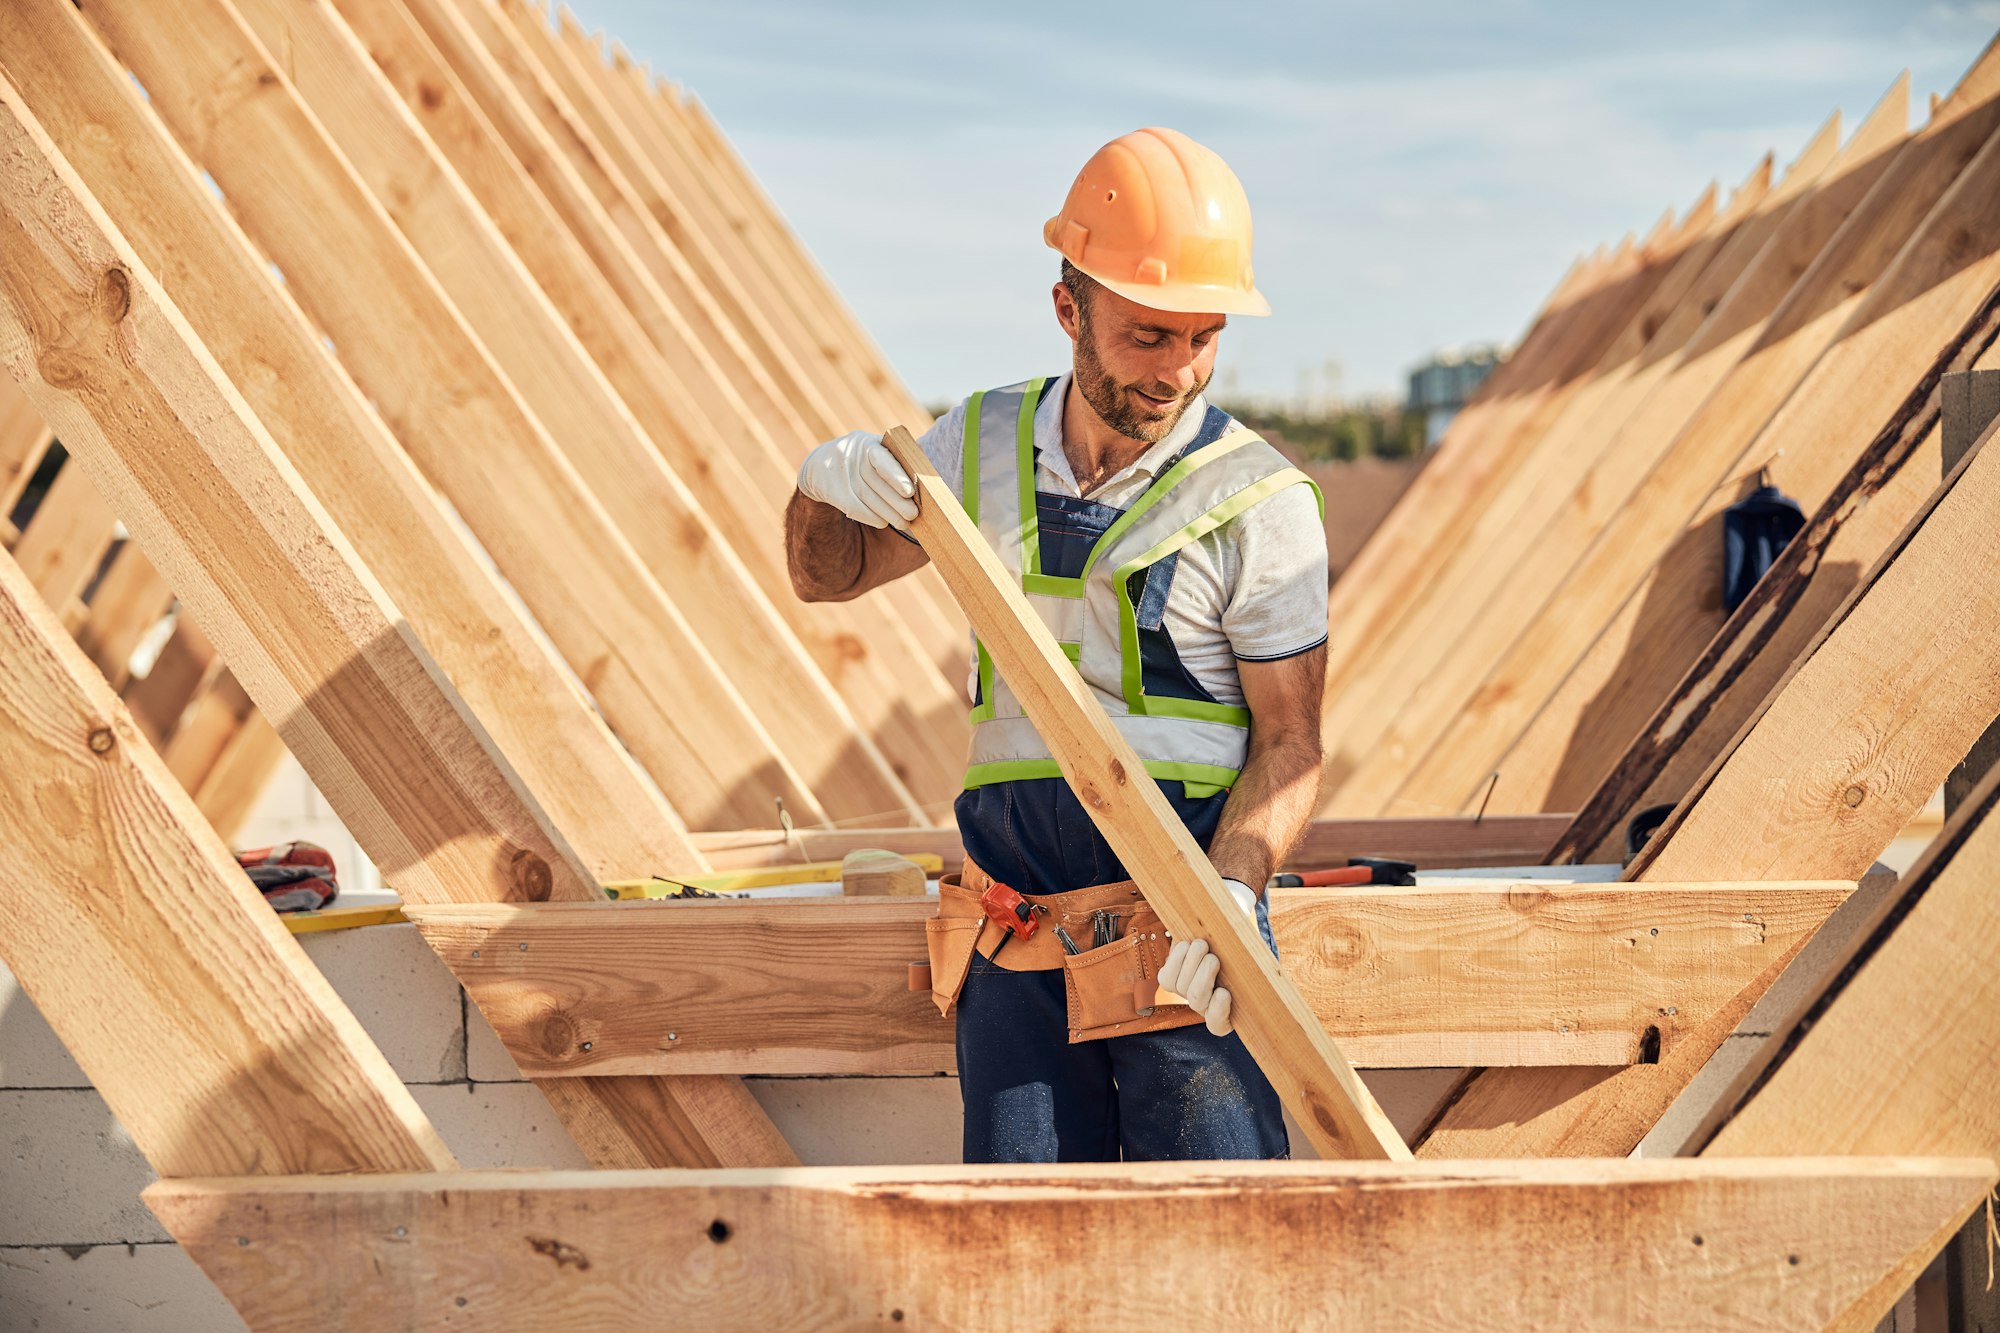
1000 518
1181 499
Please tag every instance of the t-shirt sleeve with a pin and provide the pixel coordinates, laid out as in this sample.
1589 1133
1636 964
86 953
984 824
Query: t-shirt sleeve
944 445
1277 608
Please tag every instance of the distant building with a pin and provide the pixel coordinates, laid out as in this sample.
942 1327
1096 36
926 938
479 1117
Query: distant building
1445 383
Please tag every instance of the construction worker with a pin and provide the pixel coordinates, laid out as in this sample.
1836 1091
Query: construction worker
1182 562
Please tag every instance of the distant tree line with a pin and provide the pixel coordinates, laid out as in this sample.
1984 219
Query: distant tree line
1351 431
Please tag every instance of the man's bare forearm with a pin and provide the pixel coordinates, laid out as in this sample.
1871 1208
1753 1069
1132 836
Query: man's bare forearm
824 551
1274 796
1267 810
831 558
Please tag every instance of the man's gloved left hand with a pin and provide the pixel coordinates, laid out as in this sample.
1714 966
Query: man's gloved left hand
1190 970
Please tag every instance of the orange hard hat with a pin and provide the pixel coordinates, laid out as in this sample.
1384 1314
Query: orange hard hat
1163 221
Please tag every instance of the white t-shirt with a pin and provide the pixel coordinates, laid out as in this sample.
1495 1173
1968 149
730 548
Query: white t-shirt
1253 589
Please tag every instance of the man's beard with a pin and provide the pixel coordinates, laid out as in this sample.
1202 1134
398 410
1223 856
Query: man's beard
1119 405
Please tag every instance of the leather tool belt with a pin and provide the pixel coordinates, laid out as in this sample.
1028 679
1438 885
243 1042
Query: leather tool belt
1113 989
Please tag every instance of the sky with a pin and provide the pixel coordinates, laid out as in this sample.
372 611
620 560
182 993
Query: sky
1421 173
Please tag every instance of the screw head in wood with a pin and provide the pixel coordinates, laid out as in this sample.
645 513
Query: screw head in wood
102 741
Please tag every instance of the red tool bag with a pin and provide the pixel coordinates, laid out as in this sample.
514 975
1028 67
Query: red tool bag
293 877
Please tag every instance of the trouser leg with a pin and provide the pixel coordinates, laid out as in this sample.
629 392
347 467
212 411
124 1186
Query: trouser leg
1029 1095
1185 1094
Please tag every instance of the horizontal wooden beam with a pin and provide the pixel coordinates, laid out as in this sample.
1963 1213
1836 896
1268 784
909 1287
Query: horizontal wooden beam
1432 843
1466 973
1756 1243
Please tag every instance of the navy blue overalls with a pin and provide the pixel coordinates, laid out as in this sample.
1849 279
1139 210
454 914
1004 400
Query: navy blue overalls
1030 1095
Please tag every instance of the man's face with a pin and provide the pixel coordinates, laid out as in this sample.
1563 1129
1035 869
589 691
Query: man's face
1137 367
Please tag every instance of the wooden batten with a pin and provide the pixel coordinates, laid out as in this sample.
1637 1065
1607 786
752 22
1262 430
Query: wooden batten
1508 840
1616 1245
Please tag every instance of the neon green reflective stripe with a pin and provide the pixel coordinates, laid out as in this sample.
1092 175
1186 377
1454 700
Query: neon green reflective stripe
1196 710
1133 675
1024 440
1073 651
969 460
983 710
1162 484
1203 775
1201 791
1052 585
1201 779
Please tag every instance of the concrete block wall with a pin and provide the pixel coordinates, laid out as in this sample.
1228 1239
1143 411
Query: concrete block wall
79 1253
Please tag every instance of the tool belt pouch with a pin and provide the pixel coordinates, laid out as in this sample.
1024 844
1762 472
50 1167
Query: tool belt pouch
951 942
951 938
1111 990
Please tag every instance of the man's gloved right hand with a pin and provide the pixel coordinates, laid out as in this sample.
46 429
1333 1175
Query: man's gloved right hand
857 475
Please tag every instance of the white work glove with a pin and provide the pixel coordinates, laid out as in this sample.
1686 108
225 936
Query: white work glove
1190 969
857 475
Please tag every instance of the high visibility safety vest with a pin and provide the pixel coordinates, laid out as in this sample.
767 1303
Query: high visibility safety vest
1097 615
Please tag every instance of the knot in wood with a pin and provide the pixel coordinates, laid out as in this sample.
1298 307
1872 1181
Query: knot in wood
1118 772
532 880
556 1035
102 741
1854 795
113 297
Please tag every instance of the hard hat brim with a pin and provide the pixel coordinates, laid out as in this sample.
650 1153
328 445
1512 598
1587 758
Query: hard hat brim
1187 298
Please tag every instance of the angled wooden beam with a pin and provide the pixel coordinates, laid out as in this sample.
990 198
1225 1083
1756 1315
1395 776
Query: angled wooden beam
230 789
213 1038
1822 306
102 351
569 111
1942 289
437 385
63 545
679 159
665 524
1784 1243
1312 1078
676 107
129 601
24 439
1713 326
864 648
1459 584
1898 1046
1866 512
533 117
1377 679
1873 715
1455 973
685 216
513 682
